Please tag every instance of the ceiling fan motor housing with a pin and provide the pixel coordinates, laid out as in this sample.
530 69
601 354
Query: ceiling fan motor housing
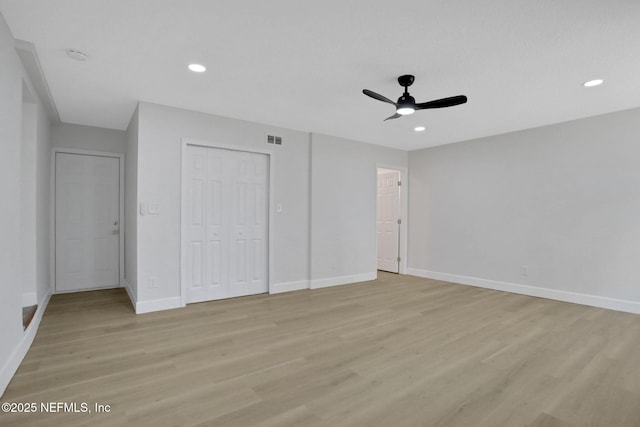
406 99
406 105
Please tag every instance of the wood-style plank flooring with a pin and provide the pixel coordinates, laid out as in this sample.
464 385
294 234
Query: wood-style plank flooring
398 351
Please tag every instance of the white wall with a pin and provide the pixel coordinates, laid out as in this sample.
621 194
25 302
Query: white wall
562 200
343 203
28 199
89 138
35 176
321 242
10 130
43 213
131 208
22 196
161 130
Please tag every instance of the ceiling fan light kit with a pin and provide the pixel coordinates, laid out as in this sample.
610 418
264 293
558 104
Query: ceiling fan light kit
406 104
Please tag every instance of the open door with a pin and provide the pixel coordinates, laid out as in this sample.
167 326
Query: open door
388 220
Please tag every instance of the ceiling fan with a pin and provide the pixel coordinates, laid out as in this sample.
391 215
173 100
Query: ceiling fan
407 104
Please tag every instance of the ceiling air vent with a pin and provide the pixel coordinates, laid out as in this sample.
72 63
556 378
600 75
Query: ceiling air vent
275 140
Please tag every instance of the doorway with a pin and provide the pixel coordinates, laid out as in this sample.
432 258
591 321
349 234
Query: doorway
87 220
225 223
388 220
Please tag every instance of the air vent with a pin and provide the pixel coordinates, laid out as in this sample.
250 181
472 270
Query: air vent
275 140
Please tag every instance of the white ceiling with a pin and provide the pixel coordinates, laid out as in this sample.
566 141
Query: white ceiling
303 65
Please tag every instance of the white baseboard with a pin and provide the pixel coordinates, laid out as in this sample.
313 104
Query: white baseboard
534 291
342 280
289 287
132 295
157 304
29 299
141 307
11 366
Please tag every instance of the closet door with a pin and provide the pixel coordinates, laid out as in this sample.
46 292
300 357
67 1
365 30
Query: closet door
248 224
226 223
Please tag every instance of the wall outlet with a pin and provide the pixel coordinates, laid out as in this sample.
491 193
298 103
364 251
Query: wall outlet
151 283
153 208
524 270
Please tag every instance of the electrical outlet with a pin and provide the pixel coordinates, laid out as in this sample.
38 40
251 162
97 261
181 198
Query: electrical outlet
524 270
153 208
151 283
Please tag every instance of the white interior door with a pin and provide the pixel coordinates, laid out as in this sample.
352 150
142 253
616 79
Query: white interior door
226 223
387 222
87 222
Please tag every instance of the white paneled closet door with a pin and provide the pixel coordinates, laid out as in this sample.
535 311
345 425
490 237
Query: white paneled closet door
227 223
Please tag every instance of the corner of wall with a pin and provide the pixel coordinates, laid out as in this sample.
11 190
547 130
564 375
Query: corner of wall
11 365
131 204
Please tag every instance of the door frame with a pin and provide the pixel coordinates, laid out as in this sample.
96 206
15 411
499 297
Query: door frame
52 211
183 210
404 209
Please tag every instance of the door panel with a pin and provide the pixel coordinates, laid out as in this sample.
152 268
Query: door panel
215 230
87 218
235 205
195 224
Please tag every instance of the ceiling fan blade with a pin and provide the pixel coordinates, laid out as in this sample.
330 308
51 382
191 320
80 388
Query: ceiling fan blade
444 102
377 96
395 116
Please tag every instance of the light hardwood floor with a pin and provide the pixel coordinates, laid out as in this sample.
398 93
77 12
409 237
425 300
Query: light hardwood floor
398 351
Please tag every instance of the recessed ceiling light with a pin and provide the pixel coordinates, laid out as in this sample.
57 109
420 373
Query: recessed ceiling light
197 68
419 128
592 83
77 55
